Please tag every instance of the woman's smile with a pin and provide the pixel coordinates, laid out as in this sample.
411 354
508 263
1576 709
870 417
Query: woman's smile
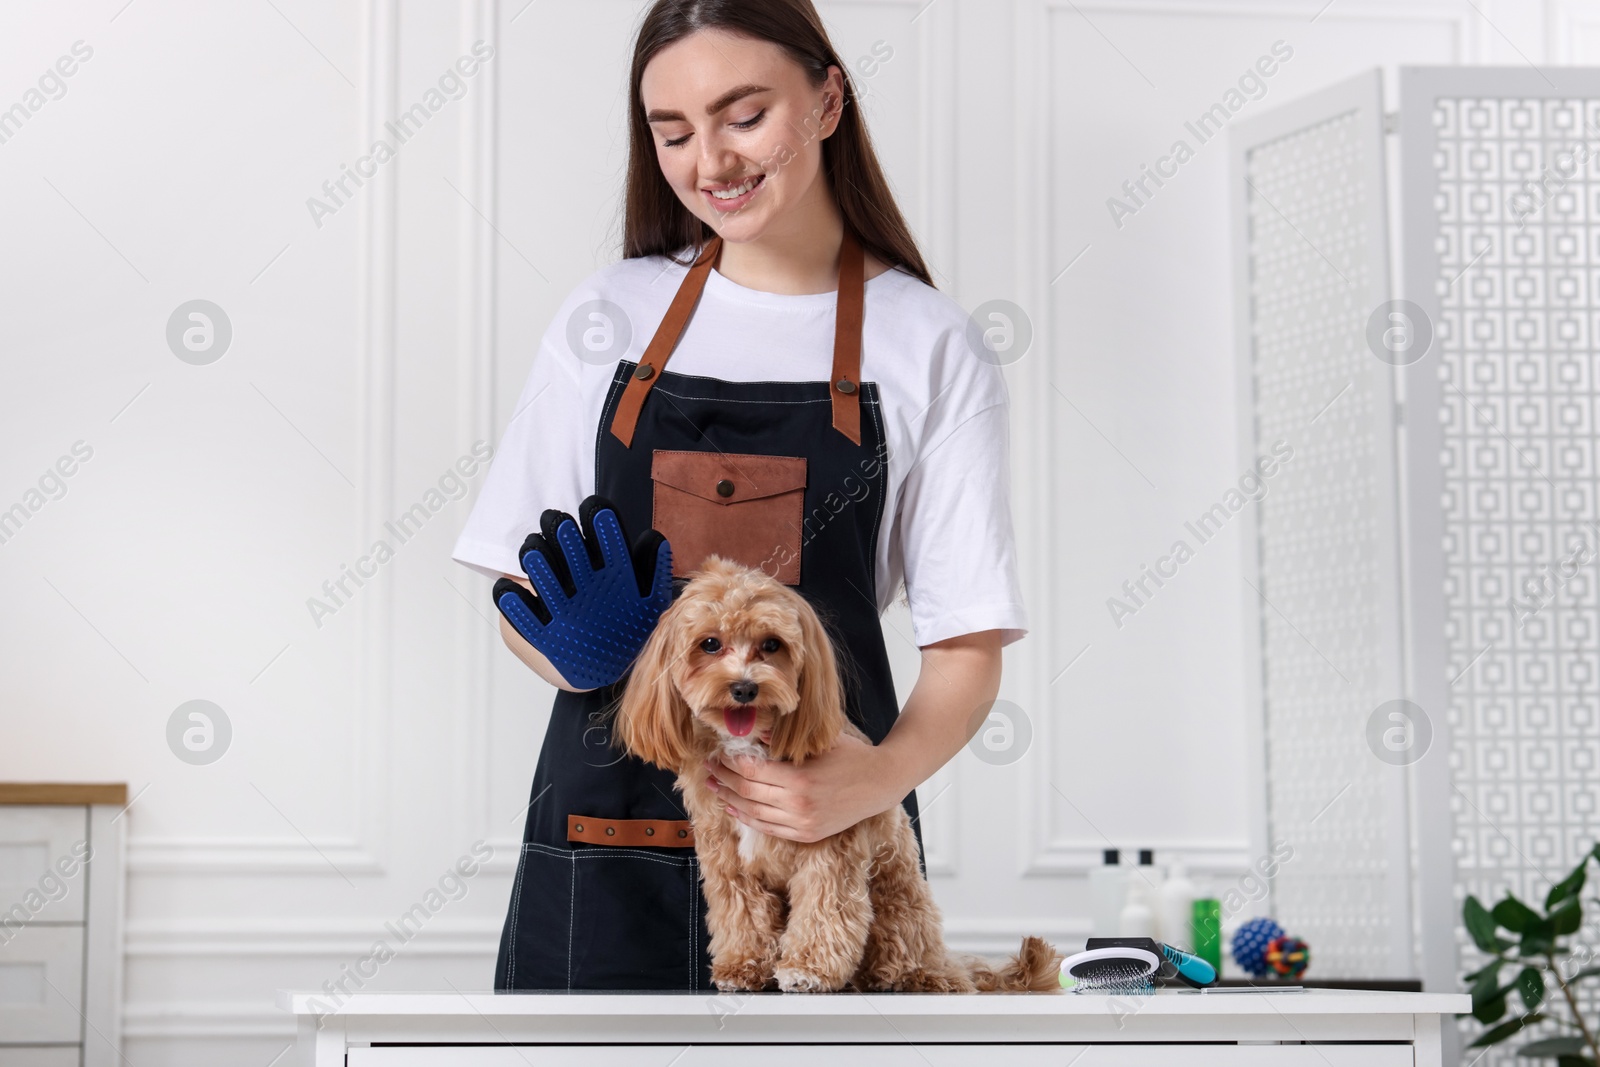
733 196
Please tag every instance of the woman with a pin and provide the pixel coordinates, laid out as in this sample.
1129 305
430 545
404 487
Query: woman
755 205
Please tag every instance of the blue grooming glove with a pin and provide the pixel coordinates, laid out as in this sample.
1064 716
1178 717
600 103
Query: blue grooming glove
596 603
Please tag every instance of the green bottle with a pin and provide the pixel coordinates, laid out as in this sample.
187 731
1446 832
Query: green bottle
1206 928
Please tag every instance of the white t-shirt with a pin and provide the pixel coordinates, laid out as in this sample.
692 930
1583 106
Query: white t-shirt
947 517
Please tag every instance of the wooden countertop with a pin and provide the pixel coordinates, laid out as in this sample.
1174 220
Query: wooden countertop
64 793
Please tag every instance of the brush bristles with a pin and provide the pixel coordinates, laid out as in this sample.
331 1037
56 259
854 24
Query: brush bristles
1112 976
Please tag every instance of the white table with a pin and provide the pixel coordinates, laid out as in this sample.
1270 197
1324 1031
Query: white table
1317 1028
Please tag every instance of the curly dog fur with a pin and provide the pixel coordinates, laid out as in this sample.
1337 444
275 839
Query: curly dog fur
852 911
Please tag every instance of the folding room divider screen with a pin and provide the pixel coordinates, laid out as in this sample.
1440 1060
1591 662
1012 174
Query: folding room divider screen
1322 599
1422 616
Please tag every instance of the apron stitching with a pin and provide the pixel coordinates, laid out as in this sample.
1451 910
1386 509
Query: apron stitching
621 853
726 381
877 528
877 523
607 852
606 415
728 400
691 938
516 912
572 908
694 931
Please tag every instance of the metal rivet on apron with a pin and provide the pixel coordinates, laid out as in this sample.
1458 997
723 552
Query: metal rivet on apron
649 831
683 833
845 385
724 488
643 370
578 827
611 831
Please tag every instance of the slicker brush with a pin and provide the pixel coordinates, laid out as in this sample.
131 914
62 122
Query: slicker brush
1111 969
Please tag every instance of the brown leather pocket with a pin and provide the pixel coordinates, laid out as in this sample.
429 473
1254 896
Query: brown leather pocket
743 507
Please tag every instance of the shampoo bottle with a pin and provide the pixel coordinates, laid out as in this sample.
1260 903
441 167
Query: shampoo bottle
1108 892
1148 877
1138 918
1175 915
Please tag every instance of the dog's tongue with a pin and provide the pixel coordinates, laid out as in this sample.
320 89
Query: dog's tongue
740 721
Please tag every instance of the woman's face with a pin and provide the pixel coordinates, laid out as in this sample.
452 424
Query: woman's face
734 116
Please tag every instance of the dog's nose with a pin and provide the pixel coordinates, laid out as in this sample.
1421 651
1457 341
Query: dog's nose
744 690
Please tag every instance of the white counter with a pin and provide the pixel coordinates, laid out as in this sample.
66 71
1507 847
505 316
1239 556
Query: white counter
1316 1028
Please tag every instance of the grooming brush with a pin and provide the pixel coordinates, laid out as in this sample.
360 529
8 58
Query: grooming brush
1133 965
1187 968
1113 965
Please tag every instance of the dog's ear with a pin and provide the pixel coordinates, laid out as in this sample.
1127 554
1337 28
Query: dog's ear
813 727
652 720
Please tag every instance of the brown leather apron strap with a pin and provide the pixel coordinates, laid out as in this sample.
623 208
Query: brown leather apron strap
661 833
665 340
845 383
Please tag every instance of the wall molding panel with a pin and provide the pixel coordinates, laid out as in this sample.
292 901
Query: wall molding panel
364 850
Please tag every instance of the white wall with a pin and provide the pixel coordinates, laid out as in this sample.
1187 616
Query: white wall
369 353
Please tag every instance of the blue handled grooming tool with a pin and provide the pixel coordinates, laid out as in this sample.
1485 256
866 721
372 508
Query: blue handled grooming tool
1188 968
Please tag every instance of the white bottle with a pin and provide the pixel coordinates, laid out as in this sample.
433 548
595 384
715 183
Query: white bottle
1148 875
1176 913
1138 919
1108 891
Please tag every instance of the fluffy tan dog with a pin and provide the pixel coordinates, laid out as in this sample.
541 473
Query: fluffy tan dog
742 664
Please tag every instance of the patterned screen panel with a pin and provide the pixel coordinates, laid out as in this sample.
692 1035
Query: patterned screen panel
1517 299
1325 601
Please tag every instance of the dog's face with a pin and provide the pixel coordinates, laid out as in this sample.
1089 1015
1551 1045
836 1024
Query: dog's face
737 655
741 647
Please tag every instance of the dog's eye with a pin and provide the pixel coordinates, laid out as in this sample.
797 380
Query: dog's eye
771 644
711 644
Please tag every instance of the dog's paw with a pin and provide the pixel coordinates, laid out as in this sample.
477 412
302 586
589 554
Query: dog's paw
800 980
741 975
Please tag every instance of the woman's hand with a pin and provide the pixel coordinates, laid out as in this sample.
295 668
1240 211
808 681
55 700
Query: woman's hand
816 799
854 780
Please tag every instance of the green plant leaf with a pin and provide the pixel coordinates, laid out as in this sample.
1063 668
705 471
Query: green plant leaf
1530 985
1514 915
1587 972
1505 1030
1487 987
1491 1007
1493 965
1538 937
1567 916
1574 1061
1570 886
1481 926
1554 1046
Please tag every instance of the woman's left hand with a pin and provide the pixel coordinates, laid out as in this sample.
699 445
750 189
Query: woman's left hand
818 798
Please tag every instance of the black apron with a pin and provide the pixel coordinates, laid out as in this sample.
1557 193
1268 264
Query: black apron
607 892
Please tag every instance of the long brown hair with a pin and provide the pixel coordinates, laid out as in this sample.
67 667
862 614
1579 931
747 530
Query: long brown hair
655 221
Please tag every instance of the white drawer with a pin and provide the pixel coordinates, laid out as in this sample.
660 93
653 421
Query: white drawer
898 1055
36 844
36 959
40 1056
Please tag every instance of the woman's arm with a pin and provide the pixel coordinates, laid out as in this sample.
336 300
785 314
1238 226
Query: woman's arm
956 686
958 682
526 652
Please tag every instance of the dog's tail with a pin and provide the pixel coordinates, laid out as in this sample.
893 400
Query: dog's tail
1036 968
